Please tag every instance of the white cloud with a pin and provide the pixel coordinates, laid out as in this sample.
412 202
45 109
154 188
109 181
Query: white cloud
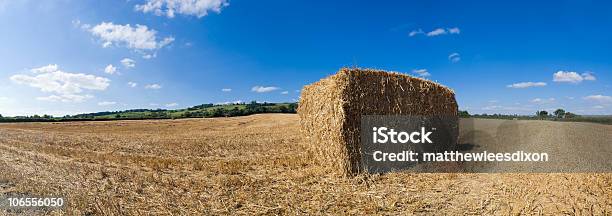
106 103
421 72
526 84
226 90
153 86
169 8
454 57
567 76
454 30
588 76
572 77
76 23
45 69
492 107
110 69
263 89
599 98
285 92
68 85
149 56
65 98
230 102
128 63
598 107
139 37
542 101
416 32
171 104
436 32
132 84
506 109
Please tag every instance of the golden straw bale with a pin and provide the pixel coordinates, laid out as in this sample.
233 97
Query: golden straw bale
330 110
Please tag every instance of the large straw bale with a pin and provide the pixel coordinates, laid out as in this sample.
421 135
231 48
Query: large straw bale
330 110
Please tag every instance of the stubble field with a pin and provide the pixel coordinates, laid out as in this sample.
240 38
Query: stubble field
257 165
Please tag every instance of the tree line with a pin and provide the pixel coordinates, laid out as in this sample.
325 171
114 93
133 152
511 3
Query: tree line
557 115
200 111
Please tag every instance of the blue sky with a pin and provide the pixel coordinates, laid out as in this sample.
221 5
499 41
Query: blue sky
67 56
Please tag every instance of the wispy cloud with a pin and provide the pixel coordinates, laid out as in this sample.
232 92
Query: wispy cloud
454 57
285 92
454 30
153 86
132 84
46 69
226 90
599 98
264 89
542 101
588 76
230 102
435 32
128 63
65 98
171 104
416 32
421 72
149 56
106 103
526 85
508 109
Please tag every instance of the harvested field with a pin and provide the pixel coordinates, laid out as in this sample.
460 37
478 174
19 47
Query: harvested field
257 165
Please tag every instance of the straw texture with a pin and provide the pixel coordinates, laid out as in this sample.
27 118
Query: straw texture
330 110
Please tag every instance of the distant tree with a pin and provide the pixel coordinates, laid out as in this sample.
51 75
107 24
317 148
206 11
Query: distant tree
559 113
284 109
186 115
570 115
0 115
45 116
218 112
463 113
235 112
293 107
542 113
